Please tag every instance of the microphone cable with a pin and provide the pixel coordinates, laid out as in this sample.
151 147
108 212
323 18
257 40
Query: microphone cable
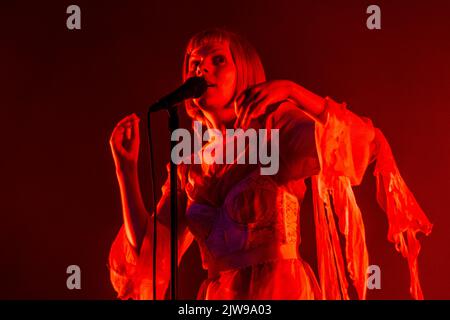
154 204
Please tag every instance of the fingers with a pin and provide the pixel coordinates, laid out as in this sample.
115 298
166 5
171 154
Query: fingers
251 105
117 134
130 118
262 102
256 109
135 129
116 140
252 95
249 94
243 96
127 128
245 103
127 122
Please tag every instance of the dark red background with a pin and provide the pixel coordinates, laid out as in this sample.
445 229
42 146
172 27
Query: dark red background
63 91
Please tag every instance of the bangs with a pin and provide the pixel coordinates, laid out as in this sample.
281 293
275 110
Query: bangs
206 37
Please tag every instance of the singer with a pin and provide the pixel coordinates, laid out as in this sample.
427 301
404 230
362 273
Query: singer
246 224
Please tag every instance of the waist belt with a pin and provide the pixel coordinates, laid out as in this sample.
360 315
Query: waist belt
250 257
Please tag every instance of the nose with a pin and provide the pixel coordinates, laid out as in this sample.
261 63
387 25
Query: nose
201 69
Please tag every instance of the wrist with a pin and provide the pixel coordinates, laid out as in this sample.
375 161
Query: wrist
127 170
296 93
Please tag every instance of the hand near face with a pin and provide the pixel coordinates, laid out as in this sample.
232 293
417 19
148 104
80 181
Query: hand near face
253 102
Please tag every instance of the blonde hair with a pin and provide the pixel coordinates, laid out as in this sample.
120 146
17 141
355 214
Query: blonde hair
249 69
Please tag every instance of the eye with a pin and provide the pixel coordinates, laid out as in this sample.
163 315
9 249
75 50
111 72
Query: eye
219 59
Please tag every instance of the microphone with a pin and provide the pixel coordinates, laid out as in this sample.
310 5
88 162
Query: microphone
193 87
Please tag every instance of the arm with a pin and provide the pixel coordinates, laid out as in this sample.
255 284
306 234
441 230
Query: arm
135 216
309 102
256 100
345 142
131 254
331 123
124 143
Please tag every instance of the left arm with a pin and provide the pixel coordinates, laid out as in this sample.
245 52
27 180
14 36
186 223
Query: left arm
333 117
257 98
308 101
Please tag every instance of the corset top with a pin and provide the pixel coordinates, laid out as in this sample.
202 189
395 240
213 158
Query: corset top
256 215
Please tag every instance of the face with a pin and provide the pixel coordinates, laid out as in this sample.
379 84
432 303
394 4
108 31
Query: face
215 63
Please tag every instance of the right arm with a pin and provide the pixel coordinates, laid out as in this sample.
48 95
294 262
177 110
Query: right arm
124 144
135 216
131 254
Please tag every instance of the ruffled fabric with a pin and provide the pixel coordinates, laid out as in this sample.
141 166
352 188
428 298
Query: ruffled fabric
346 144
272 280
405 216
131 273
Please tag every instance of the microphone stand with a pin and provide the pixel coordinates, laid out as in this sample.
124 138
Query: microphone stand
192 87
173 125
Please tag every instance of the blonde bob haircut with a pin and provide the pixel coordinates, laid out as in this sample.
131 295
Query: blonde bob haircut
249 69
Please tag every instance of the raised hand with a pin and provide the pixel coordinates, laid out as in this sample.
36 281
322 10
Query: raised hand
253 102
124 143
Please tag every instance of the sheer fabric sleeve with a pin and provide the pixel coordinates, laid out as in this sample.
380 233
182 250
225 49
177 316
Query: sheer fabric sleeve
346 144
131 272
